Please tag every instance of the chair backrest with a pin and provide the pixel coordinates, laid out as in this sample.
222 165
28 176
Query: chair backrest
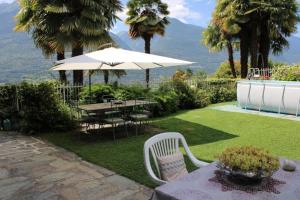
161 145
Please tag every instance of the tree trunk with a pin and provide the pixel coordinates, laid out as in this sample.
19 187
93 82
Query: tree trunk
254 44
230 58
106 76
147 39
62 73
264 45
244 51
77 74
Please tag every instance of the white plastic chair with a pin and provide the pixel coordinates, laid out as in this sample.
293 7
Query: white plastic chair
165 144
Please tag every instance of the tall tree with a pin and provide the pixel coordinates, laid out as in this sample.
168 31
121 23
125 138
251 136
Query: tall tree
44 28
261 25
84 23
217 40
87 23
145 19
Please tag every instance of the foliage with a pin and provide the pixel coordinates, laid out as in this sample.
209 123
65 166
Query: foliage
167 102
56 25
40 108
260 26
287 73
224 70
249 159
123 92
222 94
181 75
185 93
200 75
8 105
202 98
146 18
96 94
134 91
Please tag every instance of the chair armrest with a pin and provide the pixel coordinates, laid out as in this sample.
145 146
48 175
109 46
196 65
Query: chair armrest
195 161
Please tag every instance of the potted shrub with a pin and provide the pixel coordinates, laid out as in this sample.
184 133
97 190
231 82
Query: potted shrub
247 165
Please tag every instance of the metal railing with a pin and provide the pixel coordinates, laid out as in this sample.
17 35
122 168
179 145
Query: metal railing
69 93
260 73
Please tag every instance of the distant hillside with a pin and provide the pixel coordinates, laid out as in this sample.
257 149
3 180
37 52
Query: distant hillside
20 59
180 41
183 41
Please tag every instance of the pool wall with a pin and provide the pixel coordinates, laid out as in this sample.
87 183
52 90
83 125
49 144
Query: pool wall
270 96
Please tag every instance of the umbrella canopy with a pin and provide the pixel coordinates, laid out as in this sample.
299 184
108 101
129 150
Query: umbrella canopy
117 59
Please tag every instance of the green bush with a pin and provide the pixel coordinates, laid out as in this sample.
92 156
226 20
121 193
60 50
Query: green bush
216 83
287 73
202 98
97 93
224 70
8 105
134 91
222 94
42 109
39 107
167 102
185 93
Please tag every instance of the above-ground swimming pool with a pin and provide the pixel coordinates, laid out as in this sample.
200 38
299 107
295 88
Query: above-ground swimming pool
271 96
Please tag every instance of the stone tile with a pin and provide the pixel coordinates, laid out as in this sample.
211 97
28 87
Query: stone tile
54 177
34 169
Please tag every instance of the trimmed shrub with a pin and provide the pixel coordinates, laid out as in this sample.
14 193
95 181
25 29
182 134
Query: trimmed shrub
167 102
97 93
185 93
224 70
40 108
287 73
222 94
134 91
202 98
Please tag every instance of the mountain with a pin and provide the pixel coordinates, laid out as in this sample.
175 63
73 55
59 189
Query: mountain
20 59
181 41
184 41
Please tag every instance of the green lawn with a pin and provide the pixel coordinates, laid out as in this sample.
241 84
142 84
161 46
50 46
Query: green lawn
207 132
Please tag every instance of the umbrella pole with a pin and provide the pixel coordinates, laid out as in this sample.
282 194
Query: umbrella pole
147 77
90 87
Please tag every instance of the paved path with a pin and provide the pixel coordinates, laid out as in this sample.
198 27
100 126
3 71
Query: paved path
33 170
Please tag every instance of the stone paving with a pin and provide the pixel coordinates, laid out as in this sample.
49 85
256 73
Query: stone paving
31 169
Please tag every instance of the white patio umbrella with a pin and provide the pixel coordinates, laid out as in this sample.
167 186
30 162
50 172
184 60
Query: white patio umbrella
117 59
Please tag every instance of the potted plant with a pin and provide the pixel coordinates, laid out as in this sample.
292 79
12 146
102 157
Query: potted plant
247 165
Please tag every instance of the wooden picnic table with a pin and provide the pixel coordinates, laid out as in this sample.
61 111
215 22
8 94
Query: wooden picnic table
102 107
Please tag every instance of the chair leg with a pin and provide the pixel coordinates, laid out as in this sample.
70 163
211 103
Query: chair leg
113 126
126 128
136 128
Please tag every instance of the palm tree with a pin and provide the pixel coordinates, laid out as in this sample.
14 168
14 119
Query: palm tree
216 41
44 28
78 23
261 27
87 23
145 19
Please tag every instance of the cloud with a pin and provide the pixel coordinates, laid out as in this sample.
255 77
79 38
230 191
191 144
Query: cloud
180 10
6 1
122 15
